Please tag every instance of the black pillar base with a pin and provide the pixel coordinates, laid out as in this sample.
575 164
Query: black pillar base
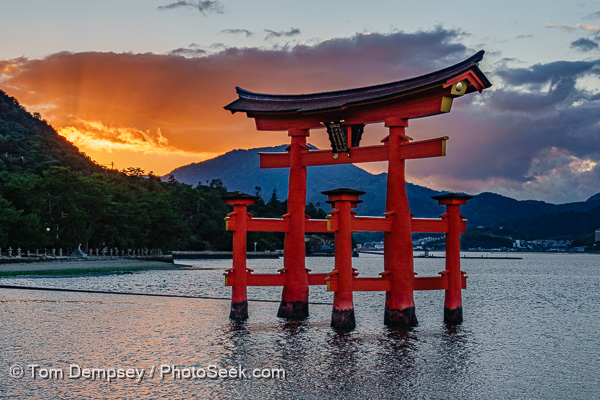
239 311
343 319
400 318
453 317
293 310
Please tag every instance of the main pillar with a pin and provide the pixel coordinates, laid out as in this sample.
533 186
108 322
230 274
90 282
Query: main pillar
453 296
343 200
398 250
294 298
239 272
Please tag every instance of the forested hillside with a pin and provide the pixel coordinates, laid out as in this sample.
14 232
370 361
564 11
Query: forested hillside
53 196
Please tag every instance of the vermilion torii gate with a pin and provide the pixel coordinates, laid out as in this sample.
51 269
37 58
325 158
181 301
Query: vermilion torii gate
344 114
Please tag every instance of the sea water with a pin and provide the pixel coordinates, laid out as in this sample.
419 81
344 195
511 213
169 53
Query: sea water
530 330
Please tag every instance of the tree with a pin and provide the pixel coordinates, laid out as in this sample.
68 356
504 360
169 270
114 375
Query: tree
134 171
18 229
172 181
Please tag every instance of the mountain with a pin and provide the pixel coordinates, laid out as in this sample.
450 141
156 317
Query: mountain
531 219
494 209
240 170
30 144
594 198
562 225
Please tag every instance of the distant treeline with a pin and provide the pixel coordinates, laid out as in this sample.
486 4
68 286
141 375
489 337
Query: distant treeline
62 208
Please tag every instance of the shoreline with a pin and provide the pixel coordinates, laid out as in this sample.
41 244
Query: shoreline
82 266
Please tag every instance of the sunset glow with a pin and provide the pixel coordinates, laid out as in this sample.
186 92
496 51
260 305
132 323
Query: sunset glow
158 104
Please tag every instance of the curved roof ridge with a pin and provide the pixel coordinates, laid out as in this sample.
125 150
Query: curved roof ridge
246 94
250 101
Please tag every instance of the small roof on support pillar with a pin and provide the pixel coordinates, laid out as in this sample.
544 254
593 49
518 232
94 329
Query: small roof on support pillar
452 198
372 103
347 194
239 195
239 198
353 192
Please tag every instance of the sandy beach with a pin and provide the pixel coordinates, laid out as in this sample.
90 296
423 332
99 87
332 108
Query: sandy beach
77 266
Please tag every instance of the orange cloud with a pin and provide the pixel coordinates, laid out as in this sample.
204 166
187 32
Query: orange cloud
572 27
118 145
149 104
97 135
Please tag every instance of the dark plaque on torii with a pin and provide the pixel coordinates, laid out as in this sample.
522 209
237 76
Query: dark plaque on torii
337 137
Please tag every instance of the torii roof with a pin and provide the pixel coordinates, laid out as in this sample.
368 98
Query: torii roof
306 104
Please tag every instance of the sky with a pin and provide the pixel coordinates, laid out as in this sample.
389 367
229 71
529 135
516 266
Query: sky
143 83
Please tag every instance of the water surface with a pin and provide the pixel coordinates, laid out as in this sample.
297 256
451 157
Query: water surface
530 331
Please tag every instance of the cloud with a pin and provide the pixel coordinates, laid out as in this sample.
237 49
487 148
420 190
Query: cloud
98 135
188 52
558 173
535 133
245 32
205 7
536 116
277 34
544 73
584 44
524 37
175 5
574 27
592 16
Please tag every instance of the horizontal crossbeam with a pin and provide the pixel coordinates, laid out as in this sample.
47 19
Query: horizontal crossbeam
364 224
434 225
421 149
266 225
274 279
371 224
358 284
383 284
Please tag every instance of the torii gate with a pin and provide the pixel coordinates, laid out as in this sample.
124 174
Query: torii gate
344 114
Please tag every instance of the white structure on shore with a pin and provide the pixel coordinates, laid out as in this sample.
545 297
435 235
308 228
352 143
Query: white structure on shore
597 238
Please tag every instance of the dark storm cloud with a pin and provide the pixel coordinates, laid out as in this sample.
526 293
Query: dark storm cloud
584 44
205 7
245 32
538 116
277 34
533 102
542 73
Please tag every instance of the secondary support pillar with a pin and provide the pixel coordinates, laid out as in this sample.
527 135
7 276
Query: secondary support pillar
343 200
398 250
239 272
294 297
453 297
